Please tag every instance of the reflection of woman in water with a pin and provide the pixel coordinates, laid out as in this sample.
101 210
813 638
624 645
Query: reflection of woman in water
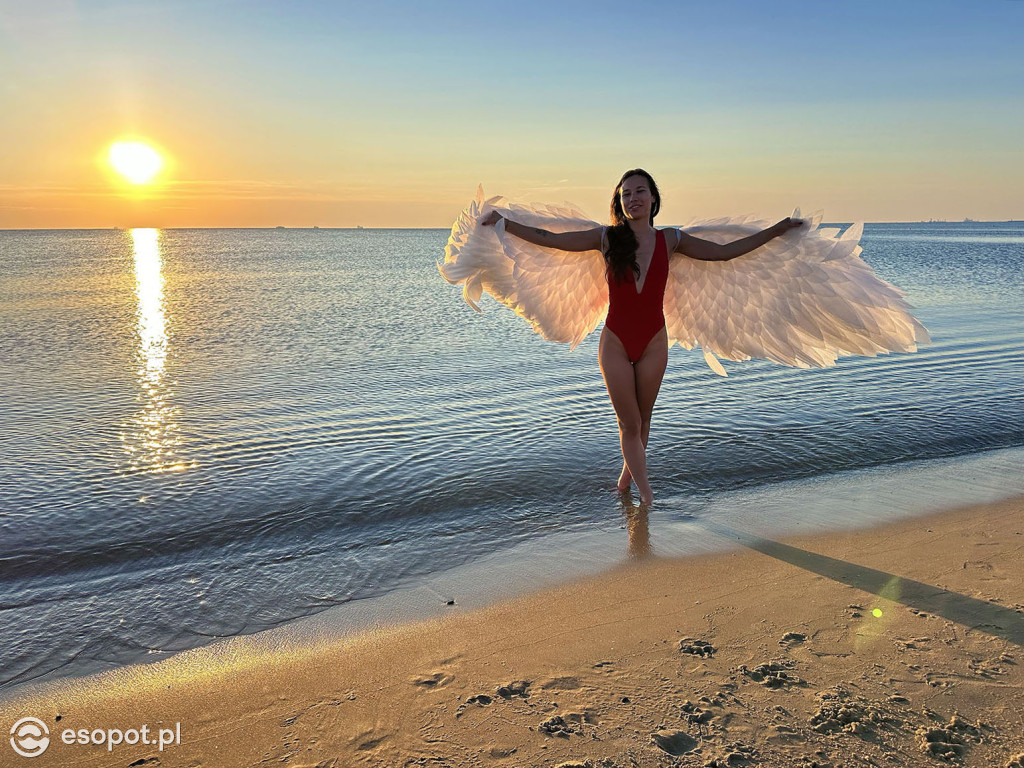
793 310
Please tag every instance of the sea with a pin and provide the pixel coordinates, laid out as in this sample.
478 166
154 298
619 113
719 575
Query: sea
211 433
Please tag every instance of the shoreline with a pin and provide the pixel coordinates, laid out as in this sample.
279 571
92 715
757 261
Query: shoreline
678 526
875 644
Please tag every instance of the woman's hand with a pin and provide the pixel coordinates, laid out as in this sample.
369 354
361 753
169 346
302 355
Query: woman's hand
490 219
787 224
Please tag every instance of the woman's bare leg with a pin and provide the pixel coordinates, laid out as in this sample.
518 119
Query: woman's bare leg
649 371
625 382
625 478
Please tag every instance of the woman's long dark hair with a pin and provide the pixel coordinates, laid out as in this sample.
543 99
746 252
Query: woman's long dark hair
622 244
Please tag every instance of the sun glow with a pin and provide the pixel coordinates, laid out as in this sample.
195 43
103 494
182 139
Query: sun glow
135 161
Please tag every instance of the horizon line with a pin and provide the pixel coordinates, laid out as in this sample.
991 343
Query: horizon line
448 227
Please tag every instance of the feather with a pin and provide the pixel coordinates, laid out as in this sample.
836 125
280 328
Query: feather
562 294
803 299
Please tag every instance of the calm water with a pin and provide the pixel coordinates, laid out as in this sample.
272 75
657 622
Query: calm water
211 432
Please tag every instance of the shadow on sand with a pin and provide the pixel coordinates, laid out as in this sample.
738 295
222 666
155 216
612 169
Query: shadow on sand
977 614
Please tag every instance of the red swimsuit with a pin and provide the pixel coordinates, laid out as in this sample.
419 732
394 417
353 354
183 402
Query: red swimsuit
637 317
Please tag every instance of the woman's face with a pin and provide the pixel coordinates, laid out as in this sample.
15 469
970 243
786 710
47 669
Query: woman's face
636 198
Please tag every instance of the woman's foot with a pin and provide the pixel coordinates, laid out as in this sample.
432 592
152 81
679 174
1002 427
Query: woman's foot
625 479
646 493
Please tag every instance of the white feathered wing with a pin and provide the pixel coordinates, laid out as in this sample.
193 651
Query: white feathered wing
804 299
563 294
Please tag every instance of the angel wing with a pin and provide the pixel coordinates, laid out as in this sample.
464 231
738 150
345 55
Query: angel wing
804 299
563 294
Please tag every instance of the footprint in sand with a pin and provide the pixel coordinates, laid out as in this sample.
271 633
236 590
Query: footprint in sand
435 680
772 674
515 688
369 739
941 679
480 699
676 743
520 688
556 726
986 668
737 755
838 711
949 742
561 684
588 716
783 734
914 644
695 715
940 742
697 647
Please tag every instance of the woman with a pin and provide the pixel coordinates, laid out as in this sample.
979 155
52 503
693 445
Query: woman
633 350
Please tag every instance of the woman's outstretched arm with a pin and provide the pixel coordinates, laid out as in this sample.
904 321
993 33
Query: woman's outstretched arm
705 250
584 240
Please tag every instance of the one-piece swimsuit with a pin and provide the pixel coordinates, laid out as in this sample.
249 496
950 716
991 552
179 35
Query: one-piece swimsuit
636 317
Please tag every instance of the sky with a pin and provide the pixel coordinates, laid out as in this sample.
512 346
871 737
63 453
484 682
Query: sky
389 114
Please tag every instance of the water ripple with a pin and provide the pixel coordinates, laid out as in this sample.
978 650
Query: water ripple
271 423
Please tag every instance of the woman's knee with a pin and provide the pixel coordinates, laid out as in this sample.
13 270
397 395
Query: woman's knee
630 426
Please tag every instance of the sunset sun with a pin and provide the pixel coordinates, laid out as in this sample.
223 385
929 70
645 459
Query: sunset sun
135 161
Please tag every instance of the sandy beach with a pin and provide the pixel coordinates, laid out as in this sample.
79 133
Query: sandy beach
899 645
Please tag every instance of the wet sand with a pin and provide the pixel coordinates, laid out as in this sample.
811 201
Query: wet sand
900 645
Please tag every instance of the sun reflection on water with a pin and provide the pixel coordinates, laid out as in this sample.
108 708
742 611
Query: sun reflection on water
151 437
